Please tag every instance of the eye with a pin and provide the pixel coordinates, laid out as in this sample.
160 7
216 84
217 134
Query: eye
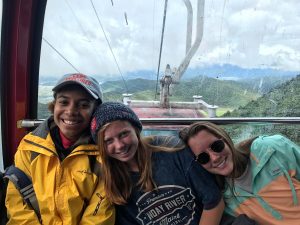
124 134
63 102
84 105
217 146
108 142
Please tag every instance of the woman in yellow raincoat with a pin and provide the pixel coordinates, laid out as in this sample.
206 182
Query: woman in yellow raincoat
62 161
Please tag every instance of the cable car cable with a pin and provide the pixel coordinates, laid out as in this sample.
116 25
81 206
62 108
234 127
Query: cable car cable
125 15
83 31
77 20
44 39
109 46
161 44
153 37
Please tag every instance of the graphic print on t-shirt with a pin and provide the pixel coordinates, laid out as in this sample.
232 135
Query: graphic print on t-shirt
166 205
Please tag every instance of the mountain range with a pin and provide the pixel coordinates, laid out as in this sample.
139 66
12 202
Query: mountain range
224 72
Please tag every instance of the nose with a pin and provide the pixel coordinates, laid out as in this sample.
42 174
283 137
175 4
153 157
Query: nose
214 157
72 109
119 145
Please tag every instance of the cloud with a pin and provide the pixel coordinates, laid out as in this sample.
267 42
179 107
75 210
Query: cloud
247 33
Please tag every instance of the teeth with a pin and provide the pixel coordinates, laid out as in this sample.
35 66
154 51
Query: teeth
221 164
124 152
69 122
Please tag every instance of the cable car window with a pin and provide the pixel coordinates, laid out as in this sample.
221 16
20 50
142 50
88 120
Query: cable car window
1 153
180 59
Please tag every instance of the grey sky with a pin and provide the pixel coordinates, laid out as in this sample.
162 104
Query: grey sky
247 33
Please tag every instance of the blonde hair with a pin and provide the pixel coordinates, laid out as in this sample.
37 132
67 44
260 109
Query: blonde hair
116 175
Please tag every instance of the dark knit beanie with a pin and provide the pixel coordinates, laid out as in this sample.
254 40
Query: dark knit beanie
112 111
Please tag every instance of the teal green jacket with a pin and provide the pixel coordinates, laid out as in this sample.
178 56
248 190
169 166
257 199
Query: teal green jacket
274 199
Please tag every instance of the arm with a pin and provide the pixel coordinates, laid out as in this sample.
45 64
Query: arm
295 149
212 216
19 212
287 151
166 141
99 210
207 192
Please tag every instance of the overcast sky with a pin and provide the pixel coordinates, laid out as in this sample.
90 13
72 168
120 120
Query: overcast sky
247 33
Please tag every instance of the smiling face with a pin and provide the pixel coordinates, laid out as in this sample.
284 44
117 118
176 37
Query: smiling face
121 142
220 163
73 108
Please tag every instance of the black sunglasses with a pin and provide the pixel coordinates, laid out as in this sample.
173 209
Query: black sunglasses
217 146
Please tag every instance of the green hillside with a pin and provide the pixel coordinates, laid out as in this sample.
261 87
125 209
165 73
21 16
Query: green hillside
263 85
218 92
282 100
133 86
43 111
223 93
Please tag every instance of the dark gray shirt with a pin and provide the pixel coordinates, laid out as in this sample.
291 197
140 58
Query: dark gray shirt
184 189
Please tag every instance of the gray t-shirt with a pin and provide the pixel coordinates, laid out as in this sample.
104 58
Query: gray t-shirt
245 181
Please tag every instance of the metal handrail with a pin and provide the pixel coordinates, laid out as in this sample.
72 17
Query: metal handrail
220 121
26 123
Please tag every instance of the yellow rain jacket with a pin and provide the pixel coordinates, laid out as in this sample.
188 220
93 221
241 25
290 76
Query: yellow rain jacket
68 191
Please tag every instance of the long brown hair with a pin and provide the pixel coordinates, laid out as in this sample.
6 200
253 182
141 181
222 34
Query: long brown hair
240 155
116 175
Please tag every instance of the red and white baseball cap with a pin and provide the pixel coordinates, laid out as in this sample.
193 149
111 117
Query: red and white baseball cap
90 84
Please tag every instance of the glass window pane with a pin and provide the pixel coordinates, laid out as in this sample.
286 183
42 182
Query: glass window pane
246 64
1 153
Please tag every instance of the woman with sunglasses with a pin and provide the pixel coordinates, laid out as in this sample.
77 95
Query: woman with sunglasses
151 180
260 176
